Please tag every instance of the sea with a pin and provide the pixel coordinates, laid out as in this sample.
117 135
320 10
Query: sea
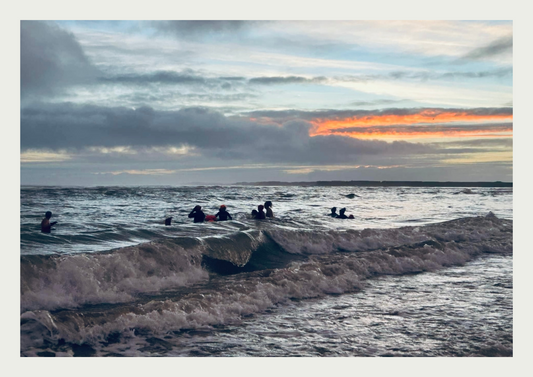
419 271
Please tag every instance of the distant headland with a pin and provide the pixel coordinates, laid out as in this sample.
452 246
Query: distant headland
381 183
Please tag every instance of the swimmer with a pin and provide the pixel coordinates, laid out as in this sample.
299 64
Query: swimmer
268 208
341 214
46 225
197 214
260 214
222 214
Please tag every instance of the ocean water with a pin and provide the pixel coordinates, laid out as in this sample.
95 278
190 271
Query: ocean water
418 272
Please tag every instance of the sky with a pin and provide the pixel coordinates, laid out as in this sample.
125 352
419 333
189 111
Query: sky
220 102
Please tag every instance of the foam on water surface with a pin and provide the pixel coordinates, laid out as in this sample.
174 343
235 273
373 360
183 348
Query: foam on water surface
82 297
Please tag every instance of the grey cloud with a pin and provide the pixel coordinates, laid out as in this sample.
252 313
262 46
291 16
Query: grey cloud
233 78
168 99
498 47
503 72
196 28
51 59
198 80
64 126
161 77
212 97
190 77
187 77
429 75
492 142
287 80
395 75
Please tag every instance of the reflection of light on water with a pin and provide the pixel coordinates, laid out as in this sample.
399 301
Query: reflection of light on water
96 219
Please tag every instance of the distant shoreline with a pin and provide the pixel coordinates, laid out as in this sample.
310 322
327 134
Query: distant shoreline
304 183
381 183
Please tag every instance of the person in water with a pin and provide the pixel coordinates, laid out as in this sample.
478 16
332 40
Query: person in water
168 220
341 214
197 214
351 217
46 225
333 212
254 213
268 208
260 214
222 214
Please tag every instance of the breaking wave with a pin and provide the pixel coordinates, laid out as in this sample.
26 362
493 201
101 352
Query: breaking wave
187 282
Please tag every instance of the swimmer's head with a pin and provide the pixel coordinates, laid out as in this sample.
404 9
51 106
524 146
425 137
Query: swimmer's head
48 214
260 207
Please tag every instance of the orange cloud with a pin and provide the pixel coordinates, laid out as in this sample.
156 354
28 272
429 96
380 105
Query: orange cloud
323 126
417 132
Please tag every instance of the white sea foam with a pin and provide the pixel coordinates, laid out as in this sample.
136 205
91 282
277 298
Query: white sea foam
231 298
68 281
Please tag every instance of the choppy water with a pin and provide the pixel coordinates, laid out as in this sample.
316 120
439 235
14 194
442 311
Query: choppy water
418 272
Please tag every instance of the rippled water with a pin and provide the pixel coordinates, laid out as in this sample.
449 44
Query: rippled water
418 272
101 218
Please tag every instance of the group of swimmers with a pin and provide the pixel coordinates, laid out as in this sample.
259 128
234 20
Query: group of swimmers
199 216
259 214
341 214
222 215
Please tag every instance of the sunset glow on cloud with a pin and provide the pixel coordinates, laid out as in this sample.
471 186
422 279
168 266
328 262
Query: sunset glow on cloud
394 125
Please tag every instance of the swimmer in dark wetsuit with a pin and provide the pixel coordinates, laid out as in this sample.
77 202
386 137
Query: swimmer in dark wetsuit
197 214
333 212
222 214
341 214
260 214
46 225
268 208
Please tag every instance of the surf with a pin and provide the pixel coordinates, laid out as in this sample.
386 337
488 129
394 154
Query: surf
184 283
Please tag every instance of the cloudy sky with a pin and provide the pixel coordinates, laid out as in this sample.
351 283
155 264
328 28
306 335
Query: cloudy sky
181 102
